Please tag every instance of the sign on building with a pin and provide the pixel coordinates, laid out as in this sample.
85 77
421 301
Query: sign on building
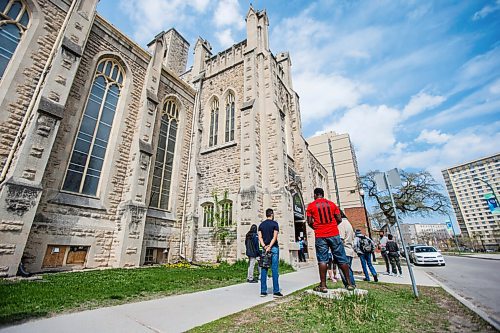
492 203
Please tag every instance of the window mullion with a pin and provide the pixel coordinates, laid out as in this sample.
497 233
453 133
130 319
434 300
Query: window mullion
164 161
94 135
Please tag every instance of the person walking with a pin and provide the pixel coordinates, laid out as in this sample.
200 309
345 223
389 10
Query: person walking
364 247
253 252
383 250
347 236
393 253
323 216
268 239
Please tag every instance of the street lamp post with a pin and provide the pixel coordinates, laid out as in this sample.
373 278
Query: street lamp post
362 194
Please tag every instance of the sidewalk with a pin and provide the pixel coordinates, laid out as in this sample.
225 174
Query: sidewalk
420 275
183 312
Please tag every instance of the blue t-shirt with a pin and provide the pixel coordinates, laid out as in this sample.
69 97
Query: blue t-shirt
267 228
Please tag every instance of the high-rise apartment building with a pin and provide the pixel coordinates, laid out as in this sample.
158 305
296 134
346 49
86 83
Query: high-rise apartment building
336 153
469 185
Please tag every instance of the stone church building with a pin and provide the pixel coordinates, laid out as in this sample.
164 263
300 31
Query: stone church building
111 155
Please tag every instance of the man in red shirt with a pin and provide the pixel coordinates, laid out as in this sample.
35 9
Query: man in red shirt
323 216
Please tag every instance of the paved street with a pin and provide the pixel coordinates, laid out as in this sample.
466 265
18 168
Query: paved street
477 280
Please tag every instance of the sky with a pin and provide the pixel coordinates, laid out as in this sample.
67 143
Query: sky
415 83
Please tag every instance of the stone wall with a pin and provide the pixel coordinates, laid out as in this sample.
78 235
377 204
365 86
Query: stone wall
19 81
218 166
177 52
70 219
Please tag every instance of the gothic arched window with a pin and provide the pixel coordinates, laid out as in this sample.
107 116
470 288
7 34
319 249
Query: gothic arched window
208 214
164 162
14 20
230 117
227 213
214 122
89 151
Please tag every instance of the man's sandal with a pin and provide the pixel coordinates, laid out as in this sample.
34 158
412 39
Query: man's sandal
320 289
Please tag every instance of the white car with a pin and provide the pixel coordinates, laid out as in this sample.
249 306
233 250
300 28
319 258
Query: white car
427 255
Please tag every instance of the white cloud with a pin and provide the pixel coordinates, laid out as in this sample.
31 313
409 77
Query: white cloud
322 94
480 103
224 37
486 10
371 128
149 17
228 13
421 102
433 137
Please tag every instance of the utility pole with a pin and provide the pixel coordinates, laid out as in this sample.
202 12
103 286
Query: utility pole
387 183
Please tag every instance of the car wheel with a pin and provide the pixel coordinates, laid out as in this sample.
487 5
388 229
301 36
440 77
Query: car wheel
444 264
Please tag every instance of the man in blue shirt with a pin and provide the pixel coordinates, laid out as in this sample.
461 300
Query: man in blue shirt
268 239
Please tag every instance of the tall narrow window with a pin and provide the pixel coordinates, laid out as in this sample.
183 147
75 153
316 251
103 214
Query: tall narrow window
208 214
230 117
214 123
227 213
14 20
164 163
89 151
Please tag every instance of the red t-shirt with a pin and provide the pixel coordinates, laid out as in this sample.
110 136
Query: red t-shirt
322 212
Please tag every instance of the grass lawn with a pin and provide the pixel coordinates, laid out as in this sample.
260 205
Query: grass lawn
387 308
75 291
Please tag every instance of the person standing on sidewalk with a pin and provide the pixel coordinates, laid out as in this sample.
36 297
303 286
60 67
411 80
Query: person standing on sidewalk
393 253
347 235
302 256
323 217
364 247
268 239
253 252
383 251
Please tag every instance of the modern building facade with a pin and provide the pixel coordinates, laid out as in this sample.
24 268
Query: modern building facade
469 185
112 155
431 234
336 153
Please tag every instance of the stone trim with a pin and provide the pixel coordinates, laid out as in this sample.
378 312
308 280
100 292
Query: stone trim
152 96
247 105
145 147
76 200
224 69
51 108
161 214
62 4
72 47
219 147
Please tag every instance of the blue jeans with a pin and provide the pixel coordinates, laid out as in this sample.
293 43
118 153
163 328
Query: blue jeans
275 259
335 245
353 282
366 259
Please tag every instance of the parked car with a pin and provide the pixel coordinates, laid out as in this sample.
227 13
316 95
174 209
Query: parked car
411 249
427 255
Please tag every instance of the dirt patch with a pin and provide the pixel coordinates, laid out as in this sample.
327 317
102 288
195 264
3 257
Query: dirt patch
460 318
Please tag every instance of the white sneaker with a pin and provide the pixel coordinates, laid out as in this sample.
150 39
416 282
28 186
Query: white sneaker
400 275
390 274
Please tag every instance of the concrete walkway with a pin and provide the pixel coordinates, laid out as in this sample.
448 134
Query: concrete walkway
182 312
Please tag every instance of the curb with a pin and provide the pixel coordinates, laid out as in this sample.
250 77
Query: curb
468 304
471 257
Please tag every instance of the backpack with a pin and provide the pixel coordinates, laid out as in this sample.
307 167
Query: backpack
366 245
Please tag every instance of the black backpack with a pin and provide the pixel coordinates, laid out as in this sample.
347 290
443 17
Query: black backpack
366 245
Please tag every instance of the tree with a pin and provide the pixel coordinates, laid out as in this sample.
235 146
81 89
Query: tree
419 195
